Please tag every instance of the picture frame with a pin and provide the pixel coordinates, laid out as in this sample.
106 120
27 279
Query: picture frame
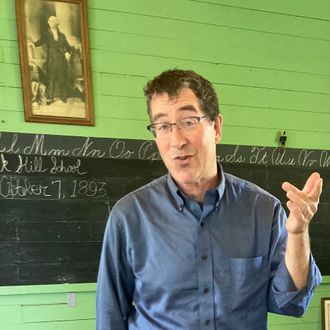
325 310
54 61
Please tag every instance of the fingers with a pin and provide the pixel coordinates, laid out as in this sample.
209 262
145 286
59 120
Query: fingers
311 190
302 208
317 190
303 203
303 217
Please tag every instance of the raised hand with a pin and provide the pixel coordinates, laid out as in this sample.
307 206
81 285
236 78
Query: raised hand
302 204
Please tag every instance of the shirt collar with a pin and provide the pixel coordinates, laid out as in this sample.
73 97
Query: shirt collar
179 196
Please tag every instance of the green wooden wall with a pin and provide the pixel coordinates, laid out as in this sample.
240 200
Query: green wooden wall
269 61
46 307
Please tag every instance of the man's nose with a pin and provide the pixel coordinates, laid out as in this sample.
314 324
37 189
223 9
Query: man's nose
178 139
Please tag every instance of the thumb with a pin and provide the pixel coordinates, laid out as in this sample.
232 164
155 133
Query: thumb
311 182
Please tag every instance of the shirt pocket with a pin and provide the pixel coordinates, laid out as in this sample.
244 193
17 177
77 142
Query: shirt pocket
246 282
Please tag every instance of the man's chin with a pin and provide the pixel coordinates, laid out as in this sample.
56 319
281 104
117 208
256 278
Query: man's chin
184 178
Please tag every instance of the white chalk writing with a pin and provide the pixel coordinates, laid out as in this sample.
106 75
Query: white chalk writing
87 147
118 150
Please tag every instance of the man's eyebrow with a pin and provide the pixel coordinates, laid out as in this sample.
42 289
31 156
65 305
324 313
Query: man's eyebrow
187 107
158 116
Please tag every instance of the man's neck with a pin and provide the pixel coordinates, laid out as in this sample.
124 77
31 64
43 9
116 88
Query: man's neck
197 190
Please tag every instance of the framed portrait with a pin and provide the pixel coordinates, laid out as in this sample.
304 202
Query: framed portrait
325 308
55 63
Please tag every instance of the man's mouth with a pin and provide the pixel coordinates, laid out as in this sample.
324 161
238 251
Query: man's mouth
184 159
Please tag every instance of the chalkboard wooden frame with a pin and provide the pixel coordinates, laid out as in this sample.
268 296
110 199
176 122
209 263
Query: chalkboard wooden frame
60 93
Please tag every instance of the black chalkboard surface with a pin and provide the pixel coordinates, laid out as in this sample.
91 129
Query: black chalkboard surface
56 193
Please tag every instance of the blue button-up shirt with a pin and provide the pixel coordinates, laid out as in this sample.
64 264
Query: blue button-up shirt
169 263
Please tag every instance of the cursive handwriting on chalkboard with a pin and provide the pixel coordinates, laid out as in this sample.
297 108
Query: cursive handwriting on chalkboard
87 147
147 151
15 187
276 157
30 177
11 187
35 164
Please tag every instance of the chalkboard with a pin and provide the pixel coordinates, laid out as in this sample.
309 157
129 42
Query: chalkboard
56 193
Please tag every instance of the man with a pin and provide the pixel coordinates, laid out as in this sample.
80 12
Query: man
199 248
58 56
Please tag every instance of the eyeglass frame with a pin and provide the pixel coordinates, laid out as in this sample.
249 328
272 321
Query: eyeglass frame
154 132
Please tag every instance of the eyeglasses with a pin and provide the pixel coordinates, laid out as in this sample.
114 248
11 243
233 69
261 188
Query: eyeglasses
186 125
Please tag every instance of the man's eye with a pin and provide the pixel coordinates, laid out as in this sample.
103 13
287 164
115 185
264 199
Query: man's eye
162 127
188 122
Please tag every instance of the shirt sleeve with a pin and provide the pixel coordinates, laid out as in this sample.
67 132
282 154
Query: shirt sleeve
115 284
283 296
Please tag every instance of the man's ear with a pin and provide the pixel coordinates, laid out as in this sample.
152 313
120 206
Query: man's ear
218 128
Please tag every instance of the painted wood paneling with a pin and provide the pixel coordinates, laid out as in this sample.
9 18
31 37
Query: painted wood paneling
45 307
269 62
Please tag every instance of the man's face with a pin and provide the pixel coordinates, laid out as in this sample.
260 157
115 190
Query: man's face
53 21
189 157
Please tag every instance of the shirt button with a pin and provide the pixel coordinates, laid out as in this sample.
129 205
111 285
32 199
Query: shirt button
204 257
207 322
206 290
